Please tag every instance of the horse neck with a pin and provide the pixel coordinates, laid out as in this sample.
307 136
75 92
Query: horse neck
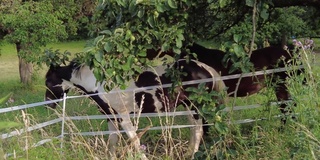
84 79
211 57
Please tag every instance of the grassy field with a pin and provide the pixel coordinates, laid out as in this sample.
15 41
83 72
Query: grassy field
259 140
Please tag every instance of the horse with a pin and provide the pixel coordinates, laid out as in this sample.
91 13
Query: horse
59 79
266 58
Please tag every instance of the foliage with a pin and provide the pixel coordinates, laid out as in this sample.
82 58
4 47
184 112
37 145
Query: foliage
236 55
31 25
54 58
211 110
39 27
75 16
208 106
127 29
289 22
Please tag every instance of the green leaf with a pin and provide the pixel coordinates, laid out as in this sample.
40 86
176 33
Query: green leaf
132 7
151 21
221 127
172 4
176 50
180 37
237 38
142 53
119 79
223 3
128 34
127 66
106 32
140 13
250 3
142 32
118 30
264 14
109 71
97 74
165 47
98 39
5 98
238 50
160 8
98 56
108 46
120 48
178 43
139 1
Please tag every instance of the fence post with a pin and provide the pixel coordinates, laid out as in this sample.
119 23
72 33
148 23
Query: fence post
63 119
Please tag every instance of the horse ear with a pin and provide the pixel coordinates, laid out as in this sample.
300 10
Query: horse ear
53 66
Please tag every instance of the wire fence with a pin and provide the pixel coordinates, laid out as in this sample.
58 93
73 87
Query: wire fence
63 116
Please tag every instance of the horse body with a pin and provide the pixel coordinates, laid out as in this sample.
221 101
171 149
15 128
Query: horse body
265 58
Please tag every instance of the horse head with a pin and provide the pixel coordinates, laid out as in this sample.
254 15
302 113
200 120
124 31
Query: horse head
55 84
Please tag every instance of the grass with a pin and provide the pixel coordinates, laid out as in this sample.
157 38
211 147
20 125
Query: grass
258 140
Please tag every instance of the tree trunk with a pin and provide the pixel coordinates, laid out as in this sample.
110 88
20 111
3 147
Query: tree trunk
25 68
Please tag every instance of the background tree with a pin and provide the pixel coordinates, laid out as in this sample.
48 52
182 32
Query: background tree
33 24
30 25
280 25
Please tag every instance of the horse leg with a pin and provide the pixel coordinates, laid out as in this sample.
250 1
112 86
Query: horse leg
130 130
283 95
113 138
196 133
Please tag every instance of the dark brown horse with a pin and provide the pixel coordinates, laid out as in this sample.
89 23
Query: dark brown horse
265 58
